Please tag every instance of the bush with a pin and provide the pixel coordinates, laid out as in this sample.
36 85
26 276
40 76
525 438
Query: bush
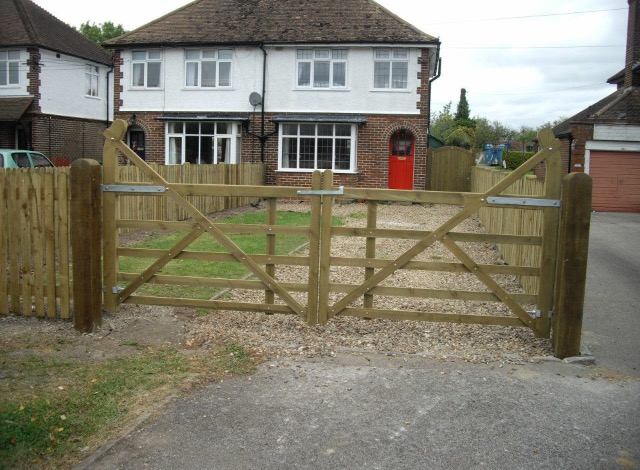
515 158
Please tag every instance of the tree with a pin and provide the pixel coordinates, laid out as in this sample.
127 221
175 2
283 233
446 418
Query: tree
99 33
462 112
442 123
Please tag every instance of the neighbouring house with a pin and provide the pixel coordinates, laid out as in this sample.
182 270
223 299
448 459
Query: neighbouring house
297 84
603 140
54 93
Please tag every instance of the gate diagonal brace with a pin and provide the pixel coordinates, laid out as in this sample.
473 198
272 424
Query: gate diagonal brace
206 225
549 145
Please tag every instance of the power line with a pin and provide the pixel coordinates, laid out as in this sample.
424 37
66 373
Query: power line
536 47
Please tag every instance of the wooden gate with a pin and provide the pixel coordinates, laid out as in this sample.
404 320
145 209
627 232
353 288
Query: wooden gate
317 298
451 169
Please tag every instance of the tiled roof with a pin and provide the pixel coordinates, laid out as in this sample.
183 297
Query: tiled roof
621 106
275 21
12 109
24 24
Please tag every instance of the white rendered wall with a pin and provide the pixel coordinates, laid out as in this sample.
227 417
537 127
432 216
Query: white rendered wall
62 87
21 88
282 94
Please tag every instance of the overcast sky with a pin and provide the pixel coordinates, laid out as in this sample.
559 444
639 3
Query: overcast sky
522 63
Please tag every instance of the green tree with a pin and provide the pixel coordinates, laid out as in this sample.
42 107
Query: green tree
462 112
442 123
462 136
99 33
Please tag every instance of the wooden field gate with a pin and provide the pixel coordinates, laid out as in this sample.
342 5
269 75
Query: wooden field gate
315 298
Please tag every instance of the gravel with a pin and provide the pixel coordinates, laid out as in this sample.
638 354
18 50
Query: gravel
285 335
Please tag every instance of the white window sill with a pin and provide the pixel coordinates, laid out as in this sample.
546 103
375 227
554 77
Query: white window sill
311 170
390 90
321 89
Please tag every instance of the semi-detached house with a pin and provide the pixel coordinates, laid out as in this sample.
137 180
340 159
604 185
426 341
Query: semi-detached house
54 84
297 84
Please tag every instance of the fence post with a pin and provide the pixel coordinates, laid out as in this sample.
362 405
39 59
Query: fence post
86 233
573 248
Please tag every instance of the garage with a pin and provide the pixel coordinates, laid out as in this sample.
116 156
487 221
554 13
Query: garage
616 181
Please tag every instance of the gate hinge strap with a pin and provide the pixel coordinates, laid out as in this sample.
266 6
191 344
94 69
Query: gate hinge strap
523 201
322 192
130 188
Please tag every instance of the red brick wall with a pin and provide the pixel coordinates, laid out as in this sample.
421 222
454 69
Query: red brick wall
70 138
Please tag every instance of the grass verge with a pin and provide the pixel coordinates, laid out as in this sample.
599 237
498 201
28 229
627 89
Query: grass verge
54 410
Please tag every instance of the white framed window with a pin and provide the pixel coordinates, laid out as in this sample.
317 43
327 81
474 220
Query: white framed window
321 68
310 146
203 142
91 78
9 68
146 67
208 68
390 68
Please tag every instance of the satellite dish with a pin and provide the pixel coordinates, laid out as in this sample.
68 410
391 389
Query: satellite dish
255 99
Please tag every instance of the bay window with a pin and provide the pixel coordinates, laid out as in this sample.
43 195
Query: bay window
322 68
203 142
311 146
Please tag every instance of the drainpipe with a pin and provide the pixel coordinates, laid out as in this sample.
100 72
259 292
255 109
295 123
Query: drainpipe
433 79
263 138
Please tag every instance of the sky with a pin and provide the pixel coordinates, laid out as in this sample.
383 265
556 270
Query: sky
522 63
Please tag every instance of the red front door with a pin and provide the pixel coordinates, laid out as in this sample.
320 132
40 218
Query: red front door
401 154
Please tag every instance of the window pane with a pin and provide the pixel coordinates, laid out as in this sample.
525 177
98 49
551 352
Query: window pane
191 149
305 54
343 154
225 74
22 160
339 54
343 130
382 53
400 54
325 129
381 75
307 153
224 147
87 84
175 150
290 153
139 55
224 54
290 129
322 54
192 127
321 74
339 74
325 154
155 55
208 54
206 149
192 74
153 80
138 75
208 74
304 73
307 129
13 55
175 128
223 128
208 128
400 71
192 55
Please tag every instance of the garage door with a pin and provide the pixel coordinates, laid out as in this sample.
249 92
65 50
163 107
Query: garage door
616 181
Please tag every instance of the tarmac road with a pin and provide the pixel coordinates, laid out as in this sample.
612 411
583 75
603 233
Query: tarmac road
395 412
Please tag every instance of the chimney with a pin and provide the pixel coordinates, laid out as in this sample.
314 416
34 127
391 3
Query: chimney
633 46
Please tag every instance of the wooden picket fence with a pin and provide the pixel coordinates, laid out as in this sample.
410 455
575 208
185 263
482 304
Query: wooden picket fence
34 242
35 227
512 220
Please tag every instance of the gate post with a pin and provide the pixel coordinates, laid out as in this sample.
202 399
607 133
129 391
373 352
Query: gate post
573 249
86 238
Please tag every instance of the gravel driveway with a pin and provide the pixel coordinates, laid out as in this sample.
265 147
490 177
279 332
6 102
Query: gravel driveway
284 335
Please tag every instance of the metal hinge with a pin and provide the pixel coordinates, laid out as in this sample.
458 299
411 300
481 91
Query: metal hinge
322 192
114 290
129 188
523 201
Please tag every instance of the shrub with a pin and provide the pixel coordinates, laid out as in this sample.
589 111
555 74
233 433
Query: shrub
515 158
